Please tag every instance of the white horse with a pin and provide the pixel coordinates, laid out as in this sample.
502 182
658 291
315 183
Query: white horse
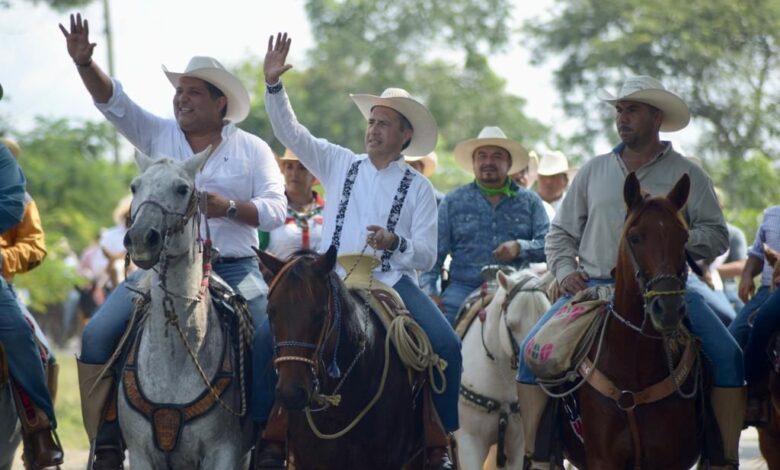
489 369
182 344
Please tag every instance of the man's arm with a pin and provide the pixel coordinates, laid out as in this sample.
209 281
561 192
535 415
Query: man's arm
708 236
533 250
12 185
28 247
98 84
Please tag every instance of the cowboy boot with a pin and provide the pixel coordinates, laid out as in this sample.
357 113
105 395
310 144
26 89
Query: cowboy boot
437 441
98 409
532 402
270 452
728 404
758 404
42 448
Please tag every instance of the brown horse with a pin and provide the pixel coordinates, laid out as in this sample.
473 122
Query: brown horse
624 425
328 342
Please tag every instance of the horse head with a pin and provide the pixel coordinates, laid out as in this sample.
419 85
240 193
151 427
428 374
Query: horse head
164 203
304 309
652 257
523 302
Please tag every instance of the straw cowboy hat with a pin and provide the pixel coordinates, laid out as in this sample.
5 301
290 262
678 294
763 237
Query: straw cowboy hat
648 90
491 136
12 146
424 125
288 156
210 70
555 162
429 162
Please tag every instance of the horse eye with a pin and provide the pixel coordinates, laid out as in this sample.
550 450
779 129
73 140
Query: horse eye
132 188
183 189
634 239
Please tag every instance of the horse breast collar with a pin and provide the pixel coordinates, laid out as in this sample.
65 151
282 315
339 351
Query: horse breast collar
168 419
392 218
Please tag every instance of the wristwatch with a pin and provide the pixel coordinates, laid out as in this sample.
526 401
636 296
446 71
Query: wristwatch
232 210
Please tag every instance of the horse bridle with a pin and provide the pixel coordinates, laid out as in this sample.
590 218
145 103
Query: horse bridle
189 212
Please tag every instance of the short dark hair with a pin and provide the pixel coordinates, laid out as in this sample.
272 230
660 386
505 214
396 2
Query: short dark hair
216 93
406 125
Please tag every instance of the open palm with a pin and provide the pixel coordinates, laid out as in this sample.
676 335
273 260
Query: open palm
79 47
274 65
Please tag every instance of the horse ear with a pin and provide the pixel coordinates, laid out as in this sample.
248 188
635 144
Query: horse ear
269 264
193 165
679 193
503 280
632 193
326 262
142 161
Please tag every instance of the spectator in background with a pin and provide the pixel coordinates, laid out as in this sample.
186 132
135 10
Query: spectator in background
554 177
427 166
302 228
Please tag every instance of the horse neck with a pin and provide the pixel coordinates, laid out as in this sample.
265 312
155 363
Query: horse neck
493 325
182 279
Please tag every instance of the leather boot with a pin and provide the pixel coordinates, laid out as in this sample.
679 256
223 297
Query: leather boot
758 404
437 441
728 404
98 409
532 402
52 379
270 452
42 448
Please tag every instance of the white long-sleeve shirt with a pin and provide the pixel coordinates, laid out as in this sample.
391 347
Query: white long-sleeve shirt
371 199
241 168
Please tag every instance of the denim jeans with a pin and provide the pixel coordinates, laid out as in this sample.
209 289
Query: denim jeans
24 361
716 300
739 328
452 298
718 345
443 339
107 325
767 321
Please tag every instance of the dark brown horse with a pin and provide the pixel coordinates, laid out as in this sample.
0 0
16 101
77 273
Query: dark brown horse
327 343
624 424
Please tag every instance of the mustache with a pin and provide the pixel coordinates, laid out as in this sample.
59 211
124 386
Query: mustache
488 167
625 128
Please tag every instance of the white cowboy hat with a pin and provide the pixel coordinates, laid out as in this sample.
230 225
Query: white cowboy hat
491 136
555 162
210 70
429 162
424 125
648 90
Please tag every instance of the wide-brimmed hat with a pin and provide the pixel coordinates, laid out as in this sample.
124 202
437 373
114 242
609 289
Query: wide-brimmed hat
429 162
491 136
555 162
12 146
288 156
424 125
648 90
210 70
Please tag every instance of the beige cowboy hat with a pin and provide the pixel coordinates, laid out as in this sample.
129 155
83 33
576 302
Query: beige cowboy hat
288 156
494 136
555 162
424 125
210 70
12 146
429 162
648 90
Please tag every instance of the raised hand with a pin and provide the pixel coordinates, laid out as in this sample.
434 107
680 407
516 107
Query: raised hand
274 65
77 39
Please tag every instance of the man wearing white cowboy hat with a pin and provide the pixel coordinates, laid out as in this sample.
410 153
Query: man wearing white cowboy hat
240 180
383 202
490 220
554 176
426 165
584 237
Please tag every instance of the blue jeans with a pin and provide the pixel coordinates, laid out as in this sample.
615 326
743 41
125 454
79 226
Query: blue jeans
107 325
722 350
716 300
766 322
24 361
452 298
739 328
443 339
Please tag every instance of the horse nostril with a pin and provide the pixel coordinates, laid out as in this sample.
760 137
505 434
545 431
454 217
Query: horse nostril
152 238
658 309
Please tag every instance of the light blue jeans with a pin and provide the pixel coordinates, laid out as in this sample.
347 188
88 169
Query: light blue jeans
716 300
452 298
719 346
24 360
443 340
107 325
739 328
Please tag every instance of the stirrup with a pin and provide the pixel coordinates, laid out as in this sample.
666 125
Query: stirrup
270 455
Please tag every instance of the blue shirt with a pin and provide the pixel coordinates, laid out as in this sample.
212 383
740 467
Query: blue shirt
769 233
11 190
470 228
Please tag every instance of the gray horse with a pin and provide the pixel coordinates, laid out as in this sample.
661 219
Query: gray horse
10 430
181 342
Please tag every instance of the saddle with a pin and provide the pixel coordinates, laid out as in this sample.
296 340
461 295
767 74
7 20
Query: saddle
384 300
